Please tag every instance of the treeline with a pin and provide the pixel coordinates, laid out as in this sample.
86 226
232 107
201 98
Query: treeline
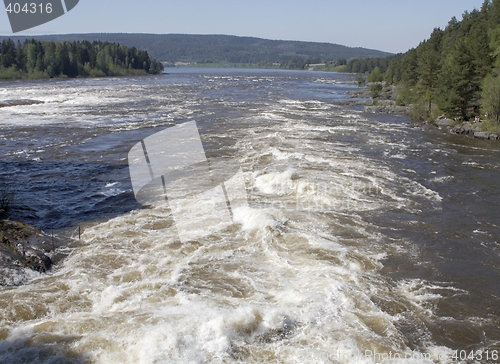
226 49
47 59
367 65
455 72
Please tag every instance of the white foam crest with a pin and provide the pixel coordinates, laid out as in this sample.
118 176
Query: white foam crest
77 101
444 179
260 220
417 189
278 183
423 294
281 155
272 116
343 191
351 182
330 82
398 156
112 190
350 116
17 275
343 128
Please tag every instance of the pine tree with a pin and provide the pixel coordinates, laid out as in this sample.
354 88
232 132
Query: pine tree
429 64
8 55
459 83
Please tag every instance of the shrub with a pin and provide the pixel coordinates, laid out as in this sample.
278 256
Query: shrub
360 80
376 89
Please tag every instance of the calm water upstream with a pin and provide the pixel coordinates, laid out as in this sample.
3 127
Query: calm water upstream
367 236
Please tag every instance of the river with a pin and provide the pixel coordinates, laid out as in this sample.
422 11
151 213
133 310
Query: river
367 237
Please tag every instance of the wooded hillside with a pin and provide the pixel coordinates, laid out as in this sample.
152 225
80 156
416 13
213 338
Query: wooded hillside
213 49
456 71
47 59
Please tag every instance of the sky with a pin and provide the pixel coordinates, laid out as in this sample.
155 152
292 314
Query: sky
388 25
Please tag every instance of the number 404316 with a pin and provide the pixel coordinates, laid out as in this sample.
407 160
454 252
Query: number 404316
489 355
32 8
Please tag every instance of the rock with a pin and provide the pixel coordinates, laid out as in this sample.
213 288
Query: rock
473 129
482 135
468 128
387 109
457 130
485 135
23 102
445 122
22 247
465 128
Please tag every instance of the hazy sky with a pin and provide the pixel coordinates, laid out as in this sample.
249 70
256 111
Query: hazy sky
388 25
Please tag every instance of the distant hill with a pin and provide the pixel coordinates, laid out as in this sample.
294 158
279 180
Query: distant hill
208 49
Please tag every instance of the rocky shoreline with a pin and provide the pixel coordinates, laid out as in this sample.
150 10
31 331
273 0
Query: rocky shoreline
466 128
24 252
363 96
389 107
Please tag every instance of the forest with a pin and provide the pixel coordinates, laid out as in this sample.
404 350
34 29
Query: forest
226 50
35 59
456 72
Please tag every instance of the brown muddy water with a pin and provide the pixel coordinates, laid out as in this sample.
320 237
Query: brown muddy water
368 238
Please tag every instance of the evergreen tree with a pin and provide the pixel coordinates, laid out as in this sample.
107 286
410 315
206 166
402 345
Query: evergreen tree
8 55
20 58
460 84
429 64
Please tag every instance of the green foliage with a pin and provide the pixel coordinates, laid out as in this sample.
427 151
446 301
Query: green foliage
367 65
428 66
452 71
420 111
490 126
376 75
491 97
376 90
294 64
45 59
10 73
460 83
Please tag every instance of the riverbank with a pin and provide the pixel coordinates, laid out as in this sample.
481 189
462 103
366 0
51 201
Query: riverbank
385 104
475 129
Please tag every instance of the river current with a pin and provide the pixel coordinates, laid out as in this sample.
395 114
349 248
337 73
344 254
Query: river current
367 238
